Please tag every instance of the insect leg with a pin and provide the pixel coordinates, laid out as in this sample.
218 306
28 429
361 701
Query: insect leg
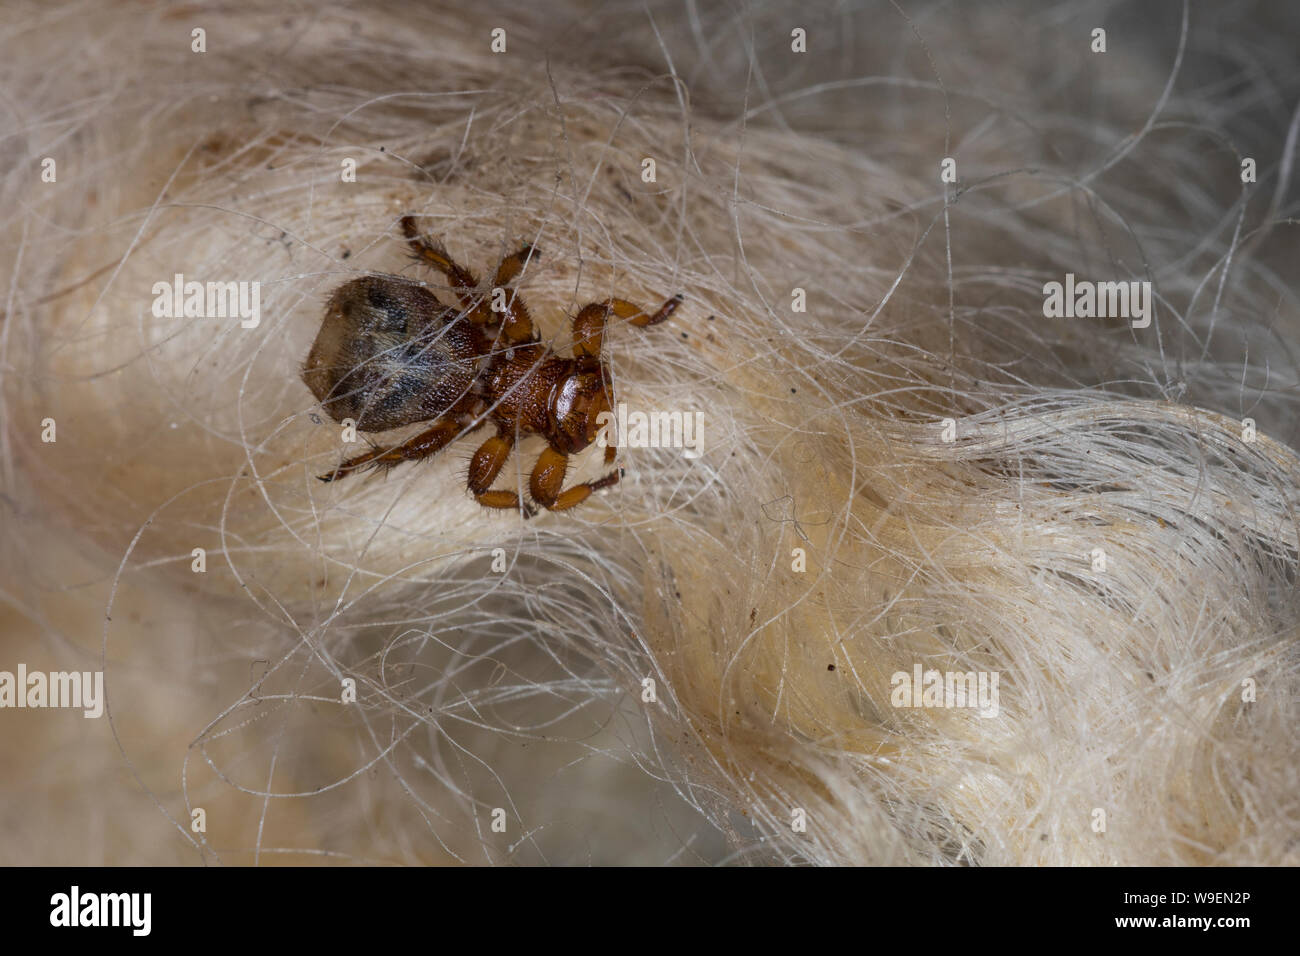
589 324
548 479
518 323
483 470
428 442
464 283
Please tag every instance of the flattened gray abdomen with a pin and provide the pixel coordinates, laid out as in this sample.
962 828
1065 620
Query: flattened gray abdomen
389 353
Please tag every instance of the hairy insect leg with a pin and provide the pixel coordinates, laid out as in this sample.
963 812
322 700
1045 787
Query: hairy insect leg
548 479
518 324
483 470
464 283
428 442
589 324
514 263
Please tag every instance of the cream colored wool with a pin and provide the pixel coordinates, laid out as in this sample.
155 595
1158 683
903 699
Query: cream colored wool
521 696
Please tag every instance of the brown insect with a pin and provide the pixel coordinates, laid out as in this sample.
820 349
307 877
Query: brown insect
389 354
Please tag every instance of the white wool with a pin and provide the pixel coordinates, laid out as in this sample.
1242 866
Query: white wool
1076 505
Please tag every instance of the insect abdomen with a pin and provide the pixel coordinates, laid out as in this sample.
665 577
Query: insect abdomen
388 354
